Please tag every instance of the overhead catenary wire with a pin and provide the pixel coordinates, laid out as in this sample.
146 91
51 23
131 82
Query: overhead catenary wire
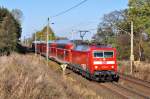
65 11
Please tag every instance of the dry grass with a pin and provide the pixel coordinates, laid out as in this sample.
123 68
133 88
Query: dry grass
28 77
22 77
141 69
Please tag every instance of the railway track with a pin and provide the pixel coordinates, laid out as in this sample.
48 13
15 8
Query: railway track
124 92
121 94
128 88
97 87
134 85
134 80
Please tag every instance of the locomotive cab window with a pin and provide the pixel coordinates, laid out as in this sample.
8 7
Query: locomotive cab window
108 54
98 54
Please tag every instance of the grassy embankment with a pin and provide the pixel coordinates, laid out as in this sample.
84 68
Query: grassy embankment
28 77
141 69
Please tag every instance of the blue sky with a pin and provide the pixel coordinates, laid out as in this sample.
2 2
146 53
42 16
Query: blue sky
85 17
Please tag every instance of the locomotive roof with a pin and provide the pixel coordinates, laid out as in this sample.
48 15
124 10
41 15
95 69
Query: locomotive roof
99 45
85 47
63 41
103 46
82 46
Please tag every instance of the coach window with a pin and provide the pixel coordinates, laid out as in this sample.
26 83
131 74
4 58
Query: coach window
98 54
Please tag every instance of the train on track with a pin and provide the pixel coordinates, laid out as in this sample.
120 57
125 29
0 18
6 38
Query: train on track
95 62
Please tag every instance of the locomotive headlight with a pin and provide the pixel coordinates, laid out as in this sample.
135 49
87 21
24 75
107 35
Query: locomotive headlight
96 67
112 66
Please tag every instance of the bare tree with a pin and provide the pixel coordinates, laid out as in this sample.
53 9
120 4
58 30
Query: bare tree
18 15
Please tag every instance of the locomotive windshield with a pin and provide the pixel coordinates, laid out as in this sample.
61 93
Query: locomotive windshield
103 54
108 54
98 54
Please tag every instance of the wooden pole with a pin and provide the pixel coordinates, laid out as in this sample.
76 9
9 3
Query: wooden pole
47 48
132 54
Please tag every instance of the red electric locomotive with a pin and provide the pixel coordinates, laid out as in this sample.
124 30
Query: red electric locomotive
96 62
